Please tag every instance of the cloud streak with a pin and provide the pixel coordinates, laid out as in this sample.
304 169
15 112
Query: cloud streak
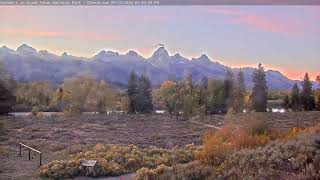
43 33
269 23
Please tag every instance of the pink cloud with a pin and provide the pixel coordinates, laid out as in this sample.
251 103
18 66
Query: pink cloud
43 33
270 23
105 36
26 32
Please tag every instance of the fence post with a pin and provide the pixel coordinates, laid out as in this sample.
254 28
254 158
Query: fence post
29 154
20 150
40 159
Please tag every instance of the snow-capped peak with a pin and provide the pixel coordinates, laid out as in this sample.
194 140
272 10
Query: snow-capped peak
104 54
24 48
177 55
160 52
6 49
64 54
204 57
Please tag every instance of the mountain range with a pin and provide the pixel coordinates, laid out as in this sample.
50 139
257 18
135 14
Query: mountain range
28 64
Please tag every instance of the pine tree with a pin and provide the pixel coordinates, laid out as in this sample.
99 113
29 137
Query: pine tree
7 88
286 102
238 104
132 92
307 96
260 90
144 97
295 102
228 88
203 99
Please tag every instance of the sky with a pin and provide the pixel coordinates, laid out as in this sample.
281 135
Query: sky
284 38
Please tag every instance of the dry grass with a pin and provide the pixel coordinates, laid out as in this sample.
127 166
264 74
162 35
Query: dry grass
58 137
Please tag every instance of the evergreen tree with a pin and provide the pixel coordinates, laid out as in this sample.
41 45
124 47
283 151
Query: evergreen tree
228 88
295 102
7 88
260 90
144 97
307 96
238 104
132 92
286 102
203 99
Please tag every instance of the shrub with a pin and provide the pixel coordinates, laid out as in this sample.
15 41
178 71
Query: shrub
113 160
255 124
217 146
299 156
192 170
2 128
40 115
35 110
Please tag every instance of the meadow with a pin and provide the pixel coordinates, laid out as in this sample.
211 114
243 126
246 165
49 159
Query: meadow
165 140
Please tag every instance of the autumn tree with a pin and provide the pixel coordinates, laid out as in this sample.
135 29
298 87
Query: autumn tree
295 102
34 94
260 90
7 91
190 96
56 102
167 96
180 90
101 98
239 93
307 96
132 92
75 93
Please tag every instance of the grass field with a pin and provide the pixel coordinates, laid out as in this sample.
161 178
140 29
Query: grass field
57 137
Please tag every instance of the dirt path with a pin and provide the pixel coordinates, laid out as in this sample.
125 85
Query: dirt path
207 125
15 167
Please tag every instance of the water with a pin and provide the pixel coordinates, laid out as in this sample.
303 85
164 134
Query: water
278 110
17 114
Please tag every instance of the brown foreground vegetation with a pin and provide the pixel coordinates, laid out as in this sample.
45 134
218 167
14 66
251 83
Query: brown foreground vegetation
67 141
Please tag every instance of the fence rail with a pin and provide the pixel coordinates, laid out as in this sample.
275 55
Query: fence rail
29 150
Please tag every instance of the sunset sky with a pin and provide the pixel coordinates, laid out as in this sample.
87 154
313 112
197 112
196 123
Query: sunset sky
285 38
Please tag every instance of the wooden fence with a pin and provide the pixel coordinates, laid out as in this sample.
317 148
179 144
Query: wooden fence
29 150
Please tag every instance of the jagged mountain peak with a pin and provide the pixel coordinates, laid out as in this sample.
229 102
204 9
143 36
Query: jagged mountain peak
161 67
204 57
64 54
161 52
104 54
5 48
24 48
177 55
132 53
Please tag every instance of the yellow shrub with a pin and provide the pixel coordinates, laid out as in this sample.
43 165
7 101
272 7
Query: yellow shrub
40 115
217 146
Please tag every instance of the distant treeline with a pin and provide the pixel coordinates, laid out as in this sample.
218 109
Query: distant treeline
210 96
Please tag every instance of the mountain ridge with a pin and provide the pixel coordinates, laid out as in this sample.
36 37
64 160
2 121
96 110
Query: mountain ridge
28 64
